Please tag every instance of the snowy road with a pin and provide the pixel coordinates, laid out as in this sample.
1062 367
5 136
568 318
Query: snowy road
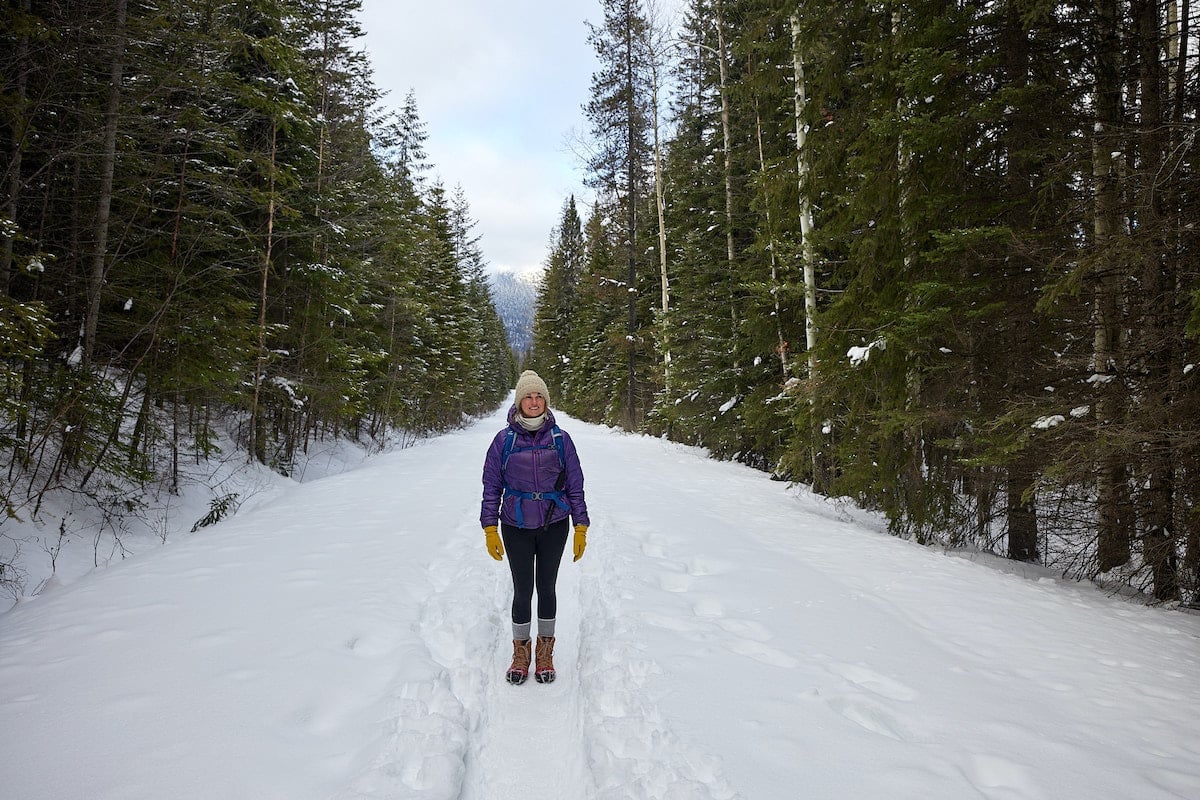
724 637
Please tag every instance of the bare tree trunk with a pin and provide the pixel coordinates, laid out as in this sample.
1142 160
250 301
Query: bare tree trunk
258 444
1022 519
781 345
806 244
141 427
806 217
727 147
1158 539
177 402
664 278
659 200
1178 23
1114 520
108 161
1187 515
631 199
18 145
903 156
913 434
1191 556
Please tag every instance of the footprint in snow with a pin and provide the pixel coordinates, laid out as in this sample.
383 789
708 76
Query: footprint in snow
675 583
709 607
870 716
872 681
747 629
654 549
998 778
700 566
763 653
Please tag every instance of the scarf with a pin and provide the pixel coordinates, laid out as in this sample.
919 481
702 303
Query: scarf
531 424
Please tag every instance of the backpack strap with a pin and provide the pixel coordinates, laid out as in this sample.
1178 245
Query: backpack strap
556 496
509 441
557 434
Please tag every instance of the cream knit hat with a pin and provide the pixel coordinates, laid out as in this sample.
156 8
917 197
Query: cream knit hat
531 382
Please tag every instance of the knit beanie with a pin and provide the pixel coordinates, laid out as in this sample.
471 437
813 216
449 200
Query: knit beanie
531 382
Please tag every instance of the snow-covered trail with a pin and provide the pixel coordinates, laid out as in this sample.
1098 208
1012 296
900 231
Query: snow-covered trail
724 637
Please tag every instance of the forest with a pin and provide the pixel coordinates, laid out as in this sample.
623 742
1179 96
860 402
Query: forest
937 258
212 233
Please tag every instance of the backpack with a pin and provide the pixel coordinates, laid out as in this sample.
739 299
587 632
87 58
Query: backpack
555 496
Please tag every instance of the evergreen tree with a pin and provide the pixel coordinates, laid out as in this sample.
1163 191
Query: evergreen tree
597 330
281 265
491 368
558 300
621 123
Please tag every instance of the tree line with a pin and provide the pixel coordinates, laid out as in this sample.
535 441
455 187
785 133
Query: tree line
211 232
939 258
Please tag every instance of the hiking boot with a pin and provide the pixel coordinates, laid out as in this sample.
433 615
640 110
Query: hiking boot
544 667
518 671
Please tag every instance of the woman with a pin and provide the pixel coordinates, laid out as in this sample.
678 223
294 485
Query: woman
532 489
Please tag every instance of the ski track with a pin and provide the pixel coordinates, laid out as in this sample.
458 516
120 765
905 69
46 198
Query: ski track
593 734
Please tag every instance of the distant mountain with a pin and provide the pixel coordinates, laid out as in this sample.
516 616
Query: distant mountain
514 294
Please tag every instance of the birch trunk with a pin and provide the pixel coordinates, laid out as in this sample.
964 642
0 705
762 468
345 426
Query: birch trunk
726 140
660 207
806 245
805 210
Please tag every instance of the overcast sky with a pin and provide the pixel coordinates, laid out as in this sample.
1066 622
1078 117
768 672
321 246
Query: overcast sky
501 88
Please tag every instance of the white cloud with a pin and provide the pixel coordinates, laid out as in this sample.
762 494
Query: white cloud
500 86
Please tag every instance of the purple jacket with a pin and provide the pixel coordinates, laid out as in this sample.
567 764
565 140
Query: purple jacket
531 471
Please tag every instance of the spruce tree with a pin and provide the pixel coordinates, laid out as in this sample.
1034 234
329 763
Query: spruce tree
620 122
554 318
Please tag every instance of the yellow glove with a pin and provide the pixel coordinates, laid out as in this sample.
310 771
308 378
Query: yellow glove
495 547
580 540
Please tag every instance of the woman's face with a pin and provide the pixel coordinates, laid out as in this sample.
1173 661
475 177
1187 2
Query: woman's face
532 405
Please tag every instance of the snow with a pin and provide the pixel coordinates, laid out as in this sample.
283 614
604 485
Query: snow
859 355
725 636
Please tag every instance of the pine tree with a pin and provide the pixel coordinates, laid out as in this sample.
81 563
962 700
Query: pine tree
702 374
269 238
558 300
621 123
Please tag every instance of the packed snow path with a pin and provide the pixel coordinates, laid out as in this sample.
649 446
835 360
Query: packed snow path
724 637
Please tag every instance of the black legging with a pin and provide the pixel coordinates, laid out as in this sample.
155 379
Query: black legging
533 558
